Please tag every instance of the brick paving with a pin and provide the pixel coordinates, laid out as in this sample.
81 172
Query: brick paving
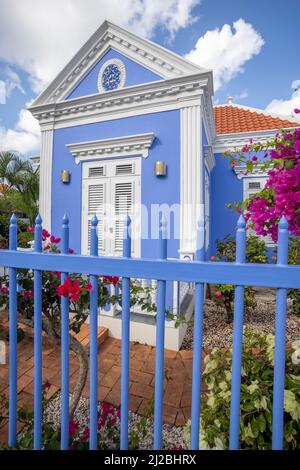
177 386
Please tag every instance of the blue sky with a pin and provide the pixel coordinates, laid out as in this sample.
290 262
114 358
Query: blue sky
252 47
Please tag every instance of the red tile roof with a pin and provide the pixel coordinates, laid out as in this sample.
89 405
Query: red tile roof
231 119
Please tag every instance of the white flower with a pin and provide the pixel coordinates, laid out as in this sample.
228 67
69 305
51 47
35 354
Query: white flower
296 354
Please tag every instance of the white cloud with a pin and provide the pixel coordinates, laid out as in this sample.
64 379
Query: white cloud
286 107
2 92
41 36
24 138
13 81
226 50
244 94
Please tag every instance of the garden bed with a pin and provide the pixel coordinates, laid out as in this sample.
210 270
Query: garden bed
218 333
140 428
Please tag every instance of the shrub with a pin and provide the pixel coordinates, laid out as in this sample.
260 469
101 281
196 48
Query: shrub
256 396
226 251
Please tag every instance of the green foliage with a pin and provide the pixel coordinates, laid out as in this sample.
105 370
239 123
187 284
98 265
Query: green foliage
23 236
294 258
255 249
20 186
226 251
256 396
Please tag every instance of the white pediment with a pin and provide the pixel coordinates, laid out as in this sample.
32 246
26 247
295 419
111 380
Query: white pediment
125 146
110 36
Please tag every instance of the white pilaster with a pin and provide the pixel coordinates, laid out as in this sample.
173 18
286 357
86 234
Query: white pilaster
46 176
191 171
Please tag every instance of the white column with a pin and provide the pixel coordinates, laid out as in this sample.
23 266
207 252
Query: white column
191 177
46 176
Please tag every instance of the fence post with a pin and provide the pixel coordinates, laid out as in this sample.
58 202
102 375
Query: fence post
38 339
94 341
237 340
64 444
198 336
160 341
280 333
13 348
125 338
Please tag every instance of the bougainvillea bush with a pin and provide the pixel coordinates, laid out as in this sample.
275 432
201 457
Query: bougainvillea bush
281 194
256 396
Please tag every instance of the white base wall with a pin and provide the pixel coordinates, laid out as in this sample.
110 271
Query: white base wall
146 333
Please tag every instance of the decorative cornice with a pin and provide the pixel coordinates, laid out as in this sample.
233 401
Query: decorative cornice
209 157
156 58
241 172
172 94
126 146
225 142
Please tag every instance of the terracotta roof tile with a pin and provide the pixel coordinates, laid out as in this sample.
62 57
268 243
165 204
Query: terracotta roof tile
231 119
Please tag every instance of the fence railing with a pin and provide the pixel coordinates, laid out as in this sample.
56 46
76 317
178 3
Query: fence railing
279 276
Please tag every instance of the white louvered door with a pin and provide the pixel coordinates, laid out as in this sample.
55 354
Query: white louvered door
111 189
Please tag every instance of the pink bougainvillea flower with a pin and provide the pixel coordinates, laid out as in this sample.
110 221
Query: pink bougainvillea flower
30 229
213 258
47 385
218 293
55 240
297 145
111 279
287 136
71 251
28 294
297 111
88 287
73 428
4 291
254 158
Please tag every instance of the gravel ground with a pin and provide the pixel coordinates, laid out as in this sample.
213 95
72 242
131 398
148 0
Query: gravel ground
218 333
172 436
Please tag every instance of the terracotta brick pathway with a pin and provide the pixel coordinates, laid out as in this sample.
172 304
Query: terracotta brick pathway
178 368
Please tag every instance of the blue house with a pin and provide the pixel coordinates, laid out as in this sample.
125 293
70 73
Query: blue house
128 127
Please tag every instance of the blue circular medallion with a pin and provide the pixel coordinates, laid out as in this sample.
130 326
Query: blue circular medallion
111 77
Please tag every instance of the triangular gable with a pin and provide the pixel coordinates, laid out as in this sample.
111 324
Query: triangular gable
135 74
157 59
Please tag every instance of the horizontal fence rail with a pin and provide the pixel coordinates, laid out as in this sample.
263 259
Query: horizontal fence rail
209 272
200 272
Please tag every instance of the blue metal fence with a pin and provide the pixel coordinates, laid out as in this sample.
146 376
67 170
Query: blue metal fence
280 276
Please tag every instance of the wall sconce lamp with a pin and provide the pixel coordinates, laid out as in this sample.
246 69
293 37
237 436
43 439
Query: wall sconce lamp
160 168
65 176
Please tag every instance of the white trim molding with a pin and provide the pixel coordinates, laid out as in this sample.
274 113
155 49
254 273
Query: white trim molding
139 99
225 142
209 157
240 171
191 177
46 177
125 146
121 68
110 36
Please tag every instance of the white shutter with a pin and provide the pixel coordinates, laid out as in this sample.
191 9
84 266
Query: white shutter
94 195
123 202
113 187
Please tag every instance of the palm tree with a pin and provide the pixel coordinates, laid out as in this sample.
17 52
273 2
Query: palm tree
12 168
20 185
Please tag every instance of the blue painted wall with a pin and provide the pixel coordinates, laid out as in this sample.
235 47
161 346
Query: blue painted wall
225 188
154 190
135 75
